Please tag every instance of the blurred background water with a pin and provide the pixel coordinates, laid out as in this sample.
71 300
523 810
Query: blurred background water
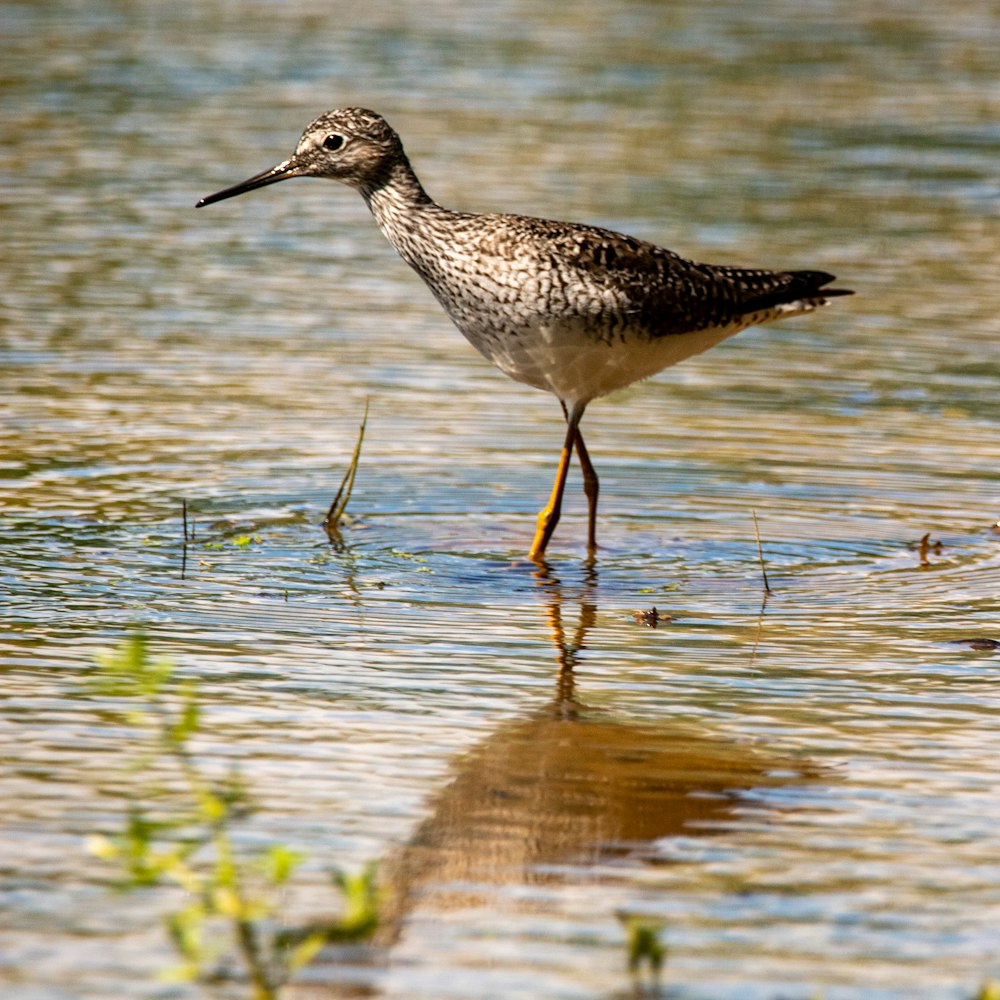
805 790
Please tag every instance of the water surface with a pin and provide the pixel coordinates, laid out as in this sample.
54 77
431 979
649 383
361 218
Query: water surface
804 789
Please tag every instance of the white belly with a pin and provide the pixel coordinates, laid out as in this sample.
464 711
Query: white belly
578 367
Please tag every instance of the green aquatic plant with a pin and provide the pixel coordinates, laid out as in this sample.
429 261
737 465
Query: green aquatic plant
178 829
245 541
339 505
644 946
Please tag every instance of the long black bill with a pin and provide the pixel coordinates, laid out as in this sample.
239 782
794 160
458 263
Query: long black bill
279 173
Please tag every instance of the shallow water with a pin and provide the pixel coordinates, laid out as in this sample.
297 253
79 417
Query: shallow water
804 789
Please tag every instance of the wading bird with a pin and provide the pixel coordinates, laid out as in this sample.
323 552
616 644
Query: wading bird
575 310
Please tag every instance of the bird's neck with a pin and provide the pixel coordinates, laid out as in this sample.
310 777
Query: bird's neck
395 196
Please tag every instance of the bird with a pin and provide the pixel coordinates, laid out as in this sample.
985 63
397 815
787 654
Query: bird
576 310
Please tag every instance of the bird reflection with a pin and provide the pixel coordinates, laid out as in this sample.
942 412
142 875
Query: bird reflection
551 795
567 787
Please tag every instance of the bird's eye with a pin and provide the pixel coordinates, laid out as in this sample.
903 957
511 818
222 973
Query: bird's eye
333 142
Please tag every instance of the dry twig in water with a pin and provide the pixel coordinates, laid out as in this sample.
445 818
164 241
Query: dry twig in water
760 553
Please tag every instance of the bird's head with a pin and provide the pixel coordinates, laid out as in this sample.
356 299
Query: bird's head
351 145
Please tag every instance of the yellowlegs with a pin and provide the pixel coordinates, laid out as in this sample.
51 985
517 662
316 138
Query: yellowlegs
572 309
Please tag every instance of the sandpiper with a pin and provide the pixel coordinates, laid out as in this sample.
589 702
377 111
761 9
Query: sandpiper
573 309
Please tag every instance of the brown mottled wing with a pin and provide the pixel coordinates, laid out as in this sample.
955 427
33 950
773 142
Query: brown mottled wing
667 294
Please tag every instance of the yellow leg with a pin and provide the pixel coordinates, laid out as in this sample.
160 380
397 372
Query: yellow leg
591 484
591 487
548 518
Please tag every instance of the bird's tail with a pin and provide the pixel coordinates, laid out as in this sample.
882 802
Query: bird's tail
810 285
